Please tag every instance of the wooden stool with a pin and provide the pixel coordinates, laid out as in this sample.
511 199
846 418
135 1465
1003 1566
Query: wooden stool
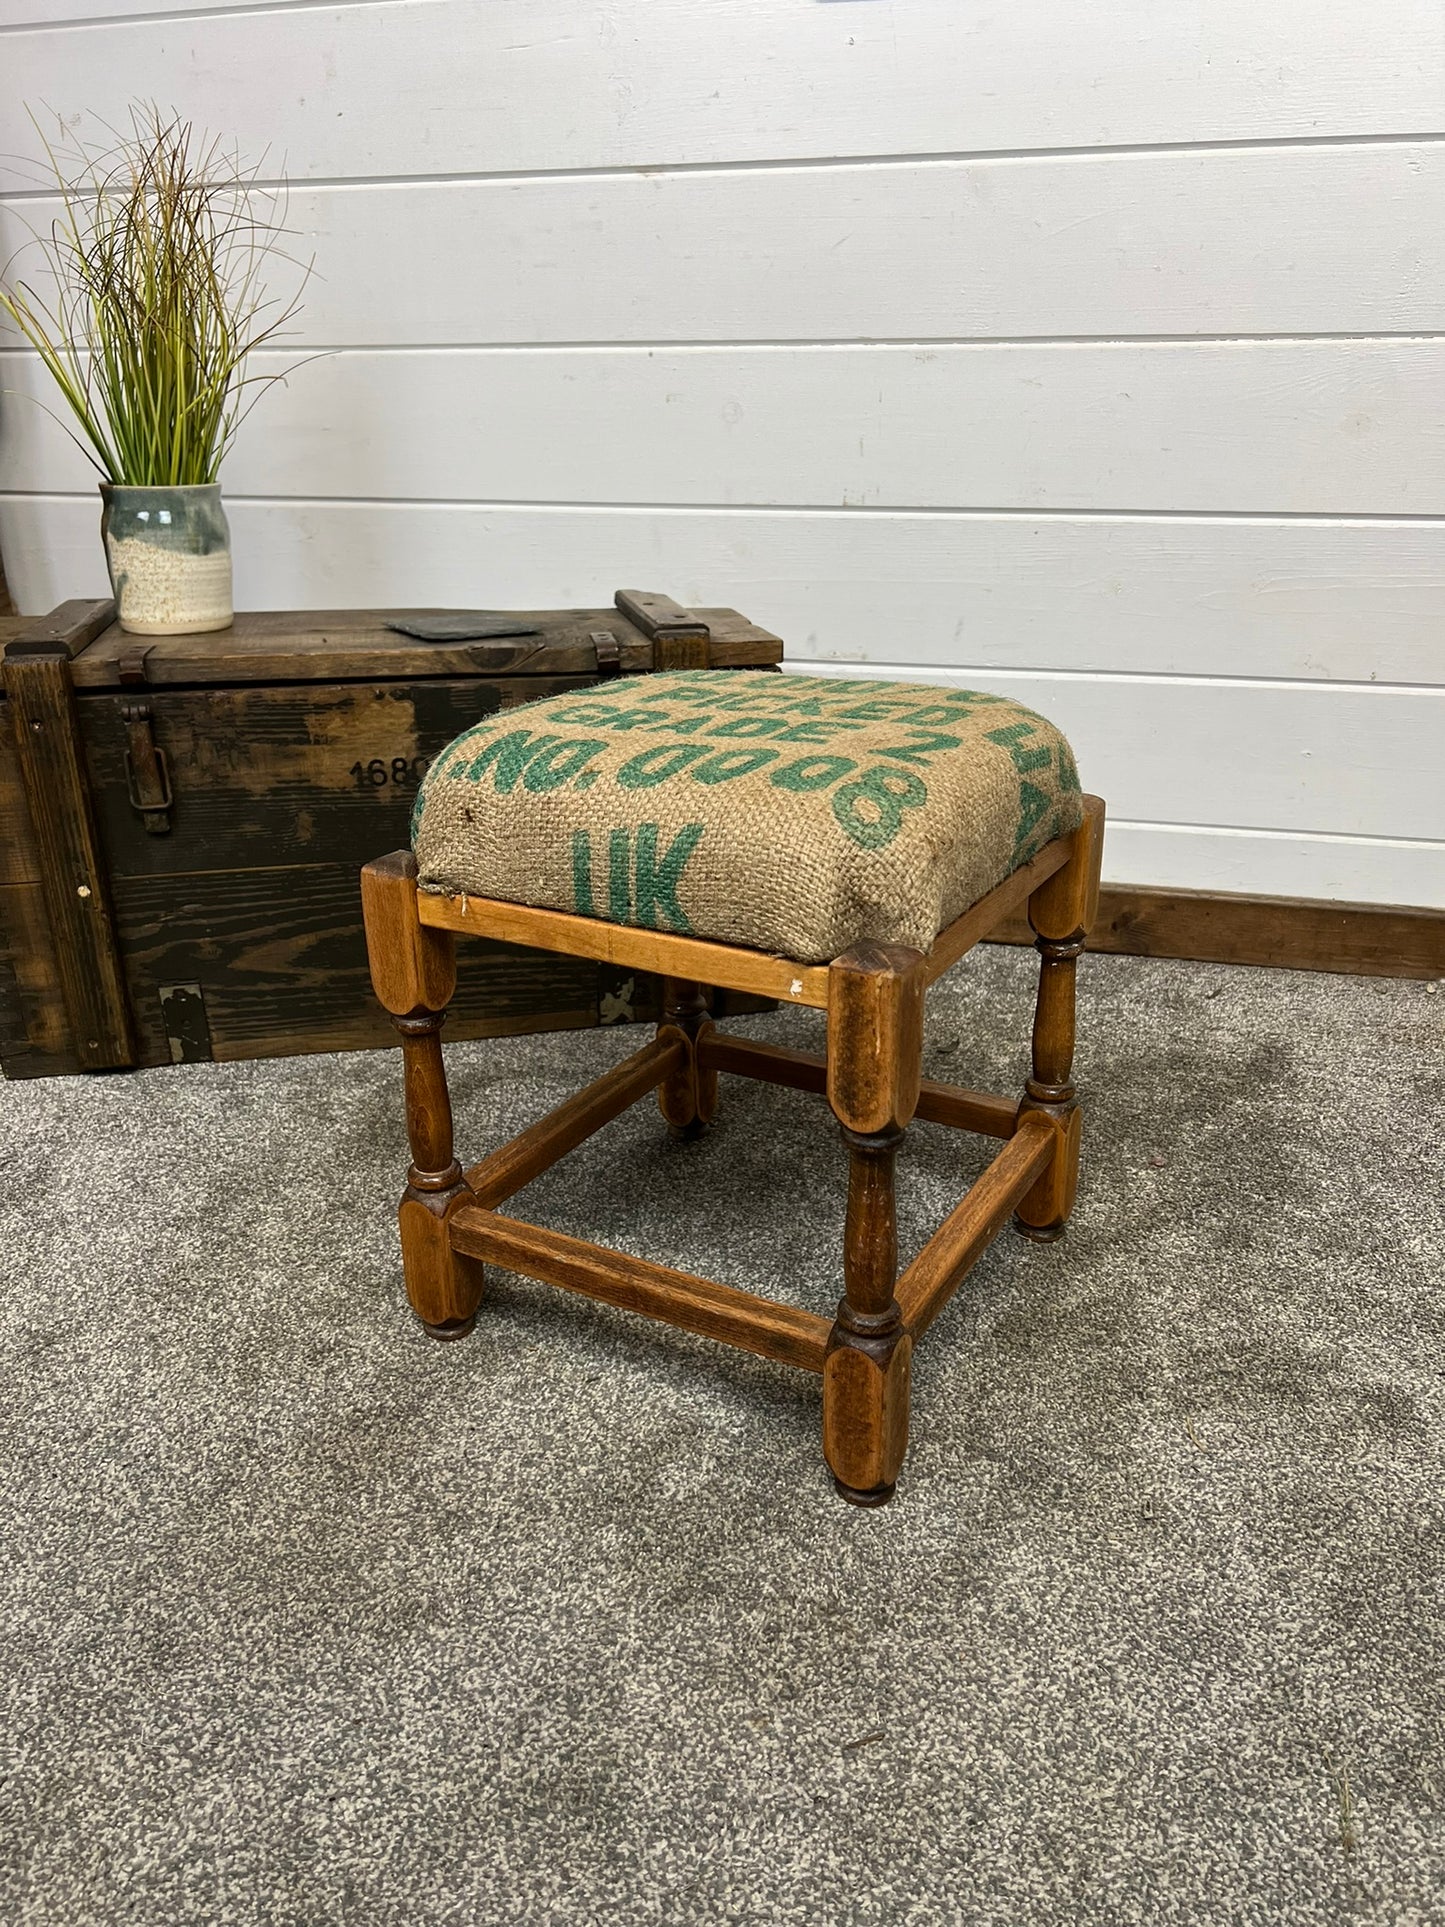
871 1076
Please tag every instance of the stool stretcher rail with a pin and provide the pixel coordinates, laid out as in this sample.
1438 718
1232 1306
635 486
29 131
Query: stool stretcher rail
782 1332
514 1164
874 998
930 1281
802 1071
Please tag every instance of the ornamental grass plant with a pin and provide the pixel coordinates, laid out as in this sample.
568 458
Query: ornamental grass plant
150 297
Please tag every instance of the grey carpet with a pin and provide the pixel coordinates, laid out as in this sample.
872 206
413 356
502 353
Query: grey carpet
305 1619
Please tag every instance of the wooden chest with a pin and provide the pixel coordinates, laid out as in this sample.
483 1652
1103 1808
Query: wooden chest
183 819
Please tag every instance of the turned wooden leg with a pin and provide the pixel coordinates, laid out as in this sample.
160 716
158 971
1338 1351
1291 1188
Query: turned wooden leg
687 1098
875 1034
1060 912
413 971
1043 1212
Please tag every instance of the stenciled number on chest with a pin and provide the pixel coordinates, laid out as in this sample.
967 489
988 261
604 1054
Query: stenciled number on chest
398 772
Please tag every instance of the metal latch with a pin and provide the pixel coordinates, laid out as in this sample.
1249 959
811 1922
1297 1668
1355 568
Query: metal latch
609 654
147 774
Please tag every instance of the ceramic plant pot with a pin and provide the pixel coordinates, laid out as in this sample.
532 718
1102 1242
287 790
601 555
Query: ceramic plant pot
169 555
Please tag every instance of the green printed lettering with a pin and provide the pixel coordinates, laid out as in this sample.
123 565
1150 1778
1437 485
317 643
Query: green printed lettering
706 697
619 882
717 704
654 766
596 713
811 772
657 881
870 810
1023 759
511 754
549 768
878 711
455 757
814 732
764 689
582 874
632 718
934 715
920 752
1033 802
749 726
725 764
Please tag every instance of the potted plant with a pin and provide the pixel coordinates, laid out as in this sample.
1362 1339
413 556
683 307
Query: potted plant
152 301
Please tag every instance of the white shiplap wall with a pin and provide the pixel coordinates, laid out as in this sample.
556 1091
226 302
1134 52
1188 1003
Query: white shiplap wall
1093 353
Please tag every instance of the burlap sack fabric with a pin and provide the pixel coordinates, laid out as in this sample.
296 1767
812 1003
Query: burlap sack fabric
794 815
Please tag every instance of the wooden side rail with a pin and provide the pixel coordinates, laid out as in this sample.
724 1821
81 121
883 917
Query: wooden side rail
956 939
514 1164
694 959
801 1071
929 1282
782 1332
699 960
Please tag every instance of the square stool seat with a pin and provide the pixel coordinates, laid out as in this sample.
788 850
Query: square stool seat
836 844
791 814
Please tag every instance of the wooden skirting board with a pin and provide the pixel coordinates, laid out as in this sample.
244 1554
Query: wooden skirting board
1287 933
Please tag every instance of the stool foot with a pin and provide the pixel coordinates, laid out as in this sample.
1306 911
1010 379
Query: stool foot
1041 1234
450 1329
444 1288
689 1133
875 1496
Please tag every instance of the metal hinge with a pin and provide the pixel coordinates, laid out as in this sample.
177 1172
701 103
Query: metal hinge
147 774
188 1029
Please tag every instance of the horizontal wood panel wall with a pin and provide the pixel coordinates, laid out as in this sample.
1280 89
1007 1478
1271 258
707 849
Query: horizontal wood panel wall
1328 238
413 87
1094 354
1216 427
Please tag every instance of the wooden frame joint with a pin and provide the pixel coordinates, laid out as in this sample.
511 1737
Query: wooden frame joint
436 1182
1062 949
870 1331
875 1036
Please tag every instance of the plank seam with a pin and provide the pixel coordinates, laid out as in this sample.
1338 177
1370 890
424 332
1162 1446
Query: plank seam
759 164
463 504
786 344
831 666
1290 836
159 16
